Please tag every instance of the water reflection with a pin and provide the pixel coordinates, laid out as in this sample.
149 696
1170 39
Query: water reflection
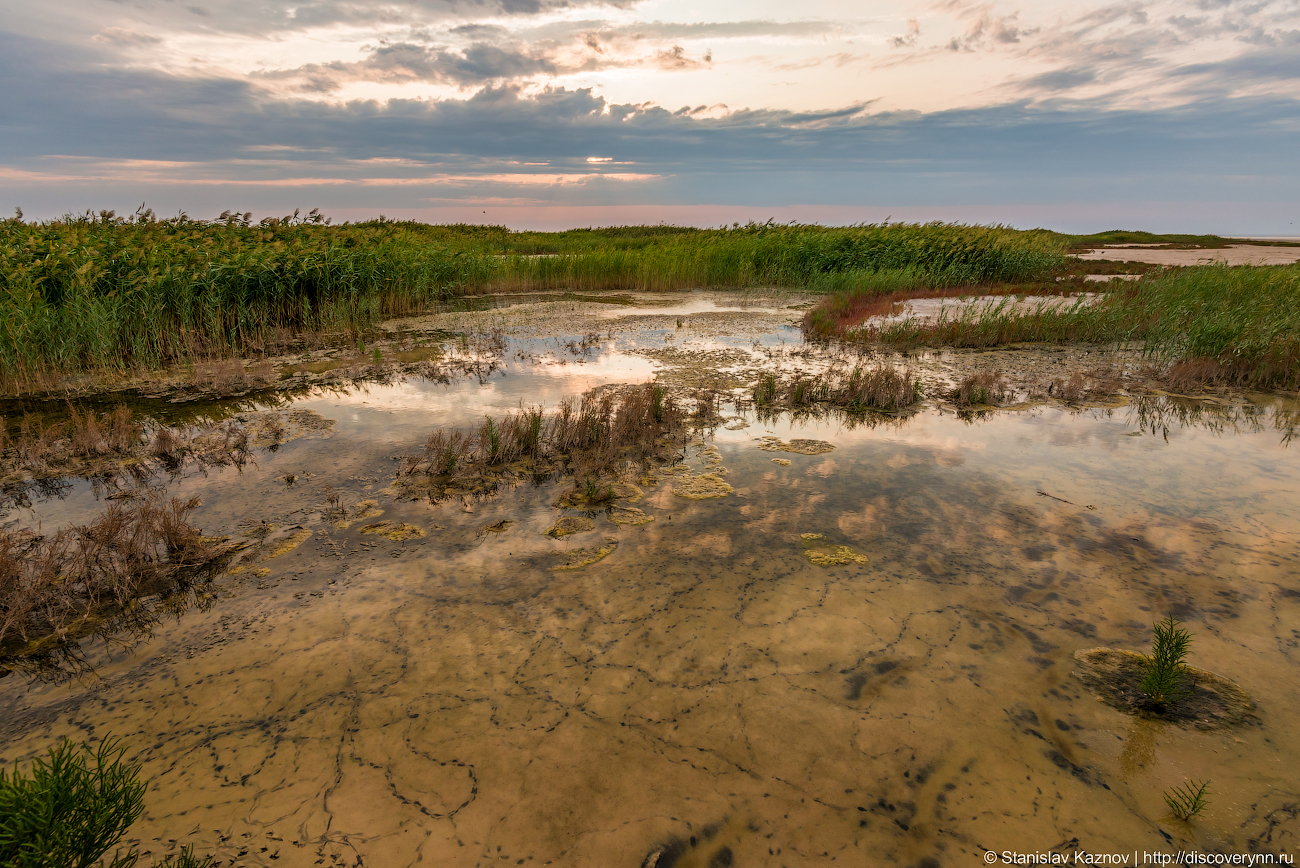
377 695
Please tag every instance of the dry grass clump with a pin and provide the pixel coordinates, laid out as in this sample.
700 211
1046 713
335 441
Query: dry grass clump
87 579
85 442
83 434
589 437
881 388
1094 383
227 377
981 387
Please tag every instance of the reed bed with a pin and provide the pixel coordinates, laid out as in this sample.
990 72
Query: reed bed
103 293
85 580
882 388
105 445
814 257
590 437
1211 325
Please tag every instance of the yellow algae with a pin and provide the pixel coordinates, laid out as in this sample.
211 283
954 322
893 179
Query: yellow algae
262 573
833 556
824 555
394 531
576 559
800 447
701 487
629 492
289 543
784 462
629 515
570 524
362 511
497 527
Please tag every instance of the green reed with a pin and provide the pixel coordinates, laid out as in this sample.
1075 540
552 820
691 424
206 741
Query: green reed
1242 322
106 293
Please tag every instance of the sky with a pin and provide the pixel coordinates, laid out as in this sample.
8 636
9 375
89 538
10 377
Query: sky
1079 116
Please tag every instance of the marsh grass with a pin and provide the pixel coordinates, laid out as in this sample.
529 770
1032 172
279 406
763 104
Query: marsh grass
83 442
72 807
590 438
882 388
981 387
1212 325
88 579
101 293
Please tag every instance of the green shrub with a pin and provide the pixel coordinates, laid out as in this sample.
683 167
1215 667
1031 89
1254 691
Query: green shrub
1162 682
76 805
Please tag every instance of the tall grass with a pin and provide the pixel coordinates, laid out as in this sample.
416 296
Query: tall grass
815 257
106 293
1231 325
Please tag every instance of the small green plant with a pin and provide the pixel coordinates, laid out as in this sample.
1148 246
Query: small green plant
377 356
765 391
1187 801
657 403
1162 682
492 437
594 492
77 804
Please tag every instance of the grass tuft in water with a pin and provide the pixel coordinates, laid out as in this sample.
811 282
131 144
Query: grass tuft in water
1188 800
1166 664
88 579
591 438
858 389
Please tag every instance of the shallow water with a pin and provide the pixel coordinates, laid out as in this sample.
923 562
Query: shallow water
454 700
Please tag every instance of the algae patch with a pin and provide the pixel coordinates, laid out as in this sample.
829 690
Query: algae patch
570 524
576 559
800 447
362 511
629 515
823 555
784 462
394 531
702 487
1115 678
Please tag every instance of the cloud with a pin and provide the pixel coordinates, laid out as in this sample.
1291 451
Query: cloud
402 62
121 37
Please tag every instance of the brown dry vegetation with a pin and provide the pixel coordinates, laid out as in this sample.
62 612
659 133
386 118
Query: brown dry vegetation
88 579
881 388
595 436
105 444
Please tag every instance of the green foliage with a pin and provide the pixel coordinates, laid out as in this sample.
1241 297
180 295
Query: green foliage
1187 801
77 804
1165 667
100 292
1243 322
